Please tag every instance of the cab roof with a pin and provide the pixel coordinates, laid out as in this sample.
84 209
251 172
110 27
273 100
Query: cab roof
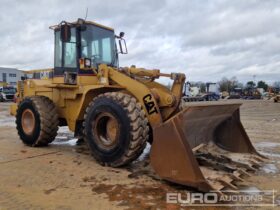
80 22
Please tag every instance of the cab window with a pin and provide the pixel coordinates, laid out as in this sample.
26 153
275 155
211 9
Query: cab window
58 50
70 51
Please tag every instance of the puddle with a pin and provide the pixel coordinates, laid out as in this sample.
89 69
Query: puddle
65 137
270 154
62 137
64 129
145 153
250 190
267 144
138 196
269 168
71 142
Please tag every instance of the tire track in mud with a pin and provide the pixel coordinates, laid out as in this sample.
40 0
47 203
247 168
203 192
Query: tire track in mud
29 157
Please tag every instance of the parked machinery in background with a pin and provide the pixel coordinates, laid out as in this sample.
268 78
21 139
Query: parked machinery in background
191 93
276 98
273 93
251 93
235 93
247 93
212 92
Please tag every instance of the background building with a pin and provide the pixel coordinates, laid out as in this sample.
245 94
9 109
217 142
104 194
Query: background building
10 75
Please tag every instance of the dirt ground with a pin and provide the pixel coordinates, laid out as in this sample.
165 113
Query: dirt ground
65 176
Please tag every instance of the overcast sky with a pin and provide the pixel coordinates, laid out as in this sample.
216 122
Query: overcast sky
206 40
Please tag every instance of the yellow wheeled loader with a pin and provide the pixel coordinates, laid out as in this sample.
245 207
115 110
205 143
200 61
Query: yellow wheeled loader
118 110
276 98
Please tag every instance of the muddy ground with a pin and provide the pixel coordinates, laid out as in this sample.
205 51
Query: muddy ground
65 176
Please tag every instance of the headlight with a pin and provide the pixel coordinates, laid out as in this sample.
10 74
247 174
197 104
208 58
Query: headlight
87 63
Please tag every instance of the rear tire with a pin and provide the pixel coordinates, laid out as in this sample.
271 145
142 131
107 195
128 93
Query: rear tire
37 121
115 128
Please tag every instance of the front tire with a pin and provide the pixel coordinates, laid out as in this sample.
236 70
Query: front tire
37 121
115 128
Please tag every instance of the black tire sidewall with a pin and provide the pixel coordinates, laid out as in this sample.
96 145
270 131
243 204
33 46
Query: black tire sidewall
28 139
101 105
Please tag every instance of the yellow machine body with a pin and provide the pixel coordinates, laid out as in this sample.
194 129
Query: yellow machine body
72 100
190 142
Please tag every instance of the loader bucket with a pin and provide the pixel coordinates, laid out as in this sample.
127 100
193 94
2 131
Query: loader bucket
204 146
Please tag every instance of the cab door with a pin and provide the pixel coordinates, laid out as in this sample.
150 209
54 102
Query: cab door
65 59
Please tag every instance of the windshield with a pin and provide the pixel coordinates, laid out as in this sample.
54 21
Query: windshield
98 44
9 90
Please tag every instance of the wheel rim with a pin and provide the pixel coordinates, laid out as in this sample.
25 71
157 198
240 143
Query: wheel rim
28 121
106 130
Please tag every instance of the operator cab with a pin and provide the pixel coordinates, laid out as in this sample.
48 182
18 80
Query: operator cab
81 46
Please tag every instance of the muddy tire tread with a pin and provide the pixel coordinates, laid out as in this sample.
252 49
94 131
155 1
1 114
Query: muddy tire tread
139 132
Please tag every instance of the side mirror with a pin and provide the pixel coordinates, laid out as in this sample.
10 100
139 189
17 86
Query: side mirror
23 78
121 35
65 33
122 45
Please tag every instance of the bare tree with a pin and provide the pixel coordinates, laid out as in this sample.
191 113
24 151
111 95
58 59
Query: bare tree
229 84
262 84
251 84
